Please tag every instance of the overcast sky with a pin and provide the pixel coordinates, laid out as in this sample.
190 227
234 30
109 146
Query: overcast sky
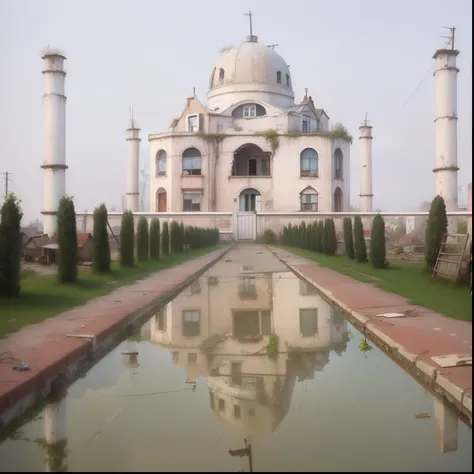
354 56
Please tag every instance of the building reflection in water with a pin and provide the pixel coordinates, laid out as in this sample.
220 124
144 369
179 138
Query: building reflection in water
253 337
226 328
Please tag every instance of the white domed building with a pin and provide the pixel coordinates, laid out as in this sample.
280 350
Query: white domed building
251 148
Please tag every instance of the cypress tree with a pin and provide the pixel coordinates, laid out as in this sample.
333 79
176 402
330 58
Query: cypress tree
319 235
174 237
436 228
155 239
165 239
101 252
348 238
127 240
359 241
142 239
302 235
182 237
10 246
331 244
67 241
324 236
377 243
314 236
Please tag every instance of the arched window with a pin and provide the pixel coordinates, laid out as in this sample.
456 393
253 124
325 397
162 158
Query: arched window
309 200
309 162
221 76
279 77
288 80
338 200
161 163
192 162
338 164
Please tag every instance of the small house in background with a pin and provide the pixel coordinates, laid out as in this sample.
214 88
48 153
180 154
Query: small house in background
32 248
27 233
85 246
410 243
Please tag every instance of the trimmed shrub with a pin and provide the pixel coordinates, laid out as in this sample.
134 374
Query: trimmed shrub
67 241
360 250
302 235
314 236
182 237
127 240
436 228
309 237
143 243
165 239
348 238
175 238
10 246
154 239
269 237
101 252
324 237
377 243
199 237
331 243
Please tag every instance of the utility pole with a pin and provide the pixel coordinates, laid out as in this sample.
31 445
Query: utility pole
240 452
450 38
6 177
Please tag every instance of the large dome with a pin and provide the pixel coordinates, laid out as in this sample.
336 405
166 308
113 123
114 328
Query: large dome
250 71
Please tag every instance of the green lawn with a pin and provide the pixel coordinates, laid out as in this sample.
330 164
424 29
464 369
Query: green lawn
405 279
43 297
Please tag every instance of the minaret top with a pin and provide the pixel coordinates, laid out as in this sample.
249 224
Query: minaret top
251 38
49 52
365 123
448 49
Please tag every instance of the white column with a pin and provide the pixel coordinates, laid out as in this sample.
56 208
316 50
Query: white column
55 426
54 123
446 427
133 165
446 131
366 192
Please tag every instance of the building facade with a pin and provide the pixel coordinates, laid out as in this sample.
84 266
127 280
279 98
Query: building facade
251 148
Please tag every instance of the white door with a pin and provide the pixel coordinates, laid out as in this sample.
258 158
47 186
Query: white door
246 225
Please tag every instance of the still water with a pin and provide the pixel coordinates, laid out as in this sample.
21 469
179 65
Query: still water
199 379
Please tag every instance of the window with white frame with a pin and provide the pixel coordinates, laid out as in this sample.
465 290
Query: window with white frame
193 123
250 111
309 162
306 124
191 323
191 202
161 163
192 162
309 200
279 77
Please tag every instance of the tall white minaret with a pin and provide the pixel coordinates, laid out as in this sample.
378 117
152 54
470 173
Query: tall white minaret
366 193
133 165
54 123
446 128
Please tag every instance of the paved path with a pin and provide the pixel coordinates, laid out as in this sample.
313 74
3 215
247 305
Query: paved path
419 336
44 347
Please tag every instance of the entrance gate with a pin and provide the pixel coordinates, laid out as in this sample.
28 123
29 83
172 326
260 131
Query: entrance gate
246 223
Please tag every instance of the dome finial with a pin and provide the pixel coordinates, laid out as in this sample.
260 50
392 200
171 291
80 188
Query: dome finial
249 14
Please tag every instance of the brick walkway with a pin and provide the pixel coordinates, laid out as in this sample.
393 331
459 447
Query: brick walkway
44 347
419 336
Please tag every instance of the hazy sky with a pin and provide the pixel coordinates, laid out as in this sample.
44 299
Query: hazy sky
354 56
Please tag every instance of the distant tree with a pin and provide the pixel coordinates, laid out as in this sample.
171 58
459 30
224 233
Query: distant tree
331 245
101 253
67 241
165 239
348 238
142 239
436 228
360 249
10 246
127 240
155 239
377 243
319 237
